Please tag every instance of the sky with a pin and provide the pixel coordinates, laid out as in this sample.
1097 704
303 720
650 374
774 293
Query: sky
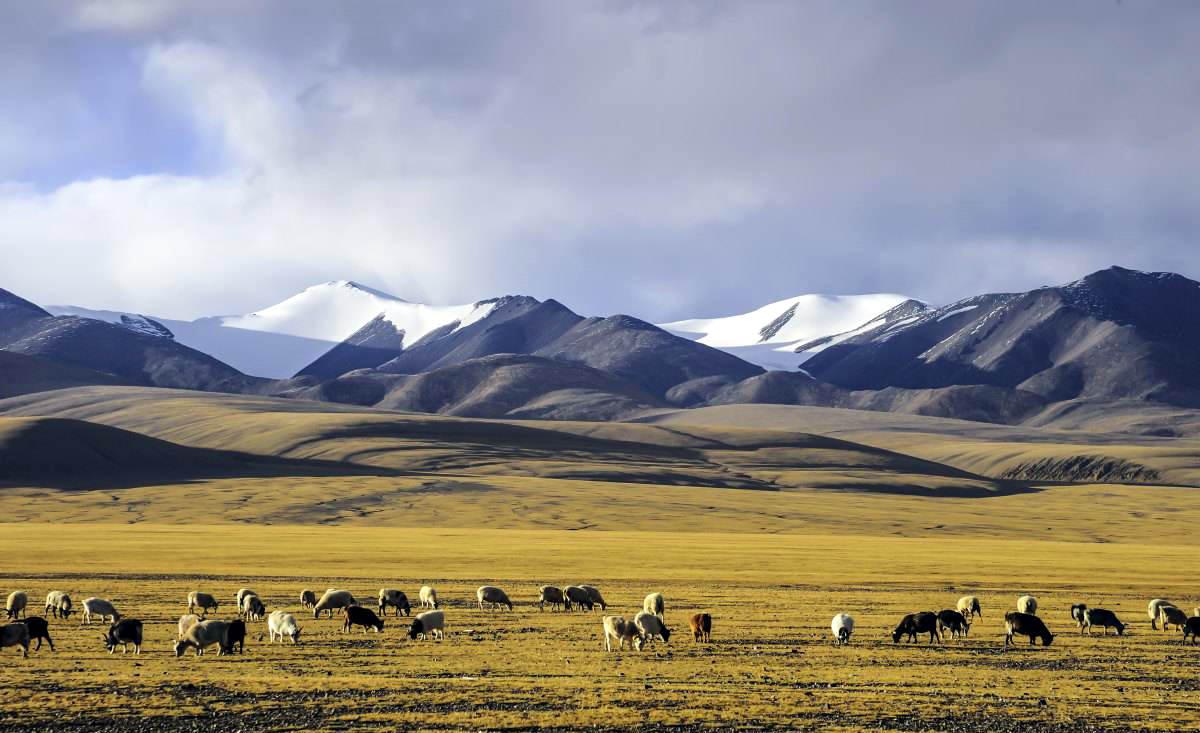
677 159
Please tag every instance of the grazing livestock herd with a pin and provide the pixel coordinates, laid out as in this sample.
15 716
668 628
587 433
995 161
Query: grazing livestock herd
646 628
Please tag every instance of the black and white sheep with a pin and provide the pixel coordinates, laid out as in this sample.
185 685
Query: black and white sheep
39 629
494 597
430 624
16 603
594 594
124 632
576 596
364 617
1192 628
202 601
842 627
969 607
1026 624
1103 618
252 608
395 599
1027 604
308 598
1171 616
1152 610
923 622
101 608
282 624
1079 615
551 594
242 593
619 630
58 604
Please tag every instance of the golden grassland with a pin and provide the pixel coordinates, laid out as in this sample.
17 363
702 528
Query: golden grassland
770 665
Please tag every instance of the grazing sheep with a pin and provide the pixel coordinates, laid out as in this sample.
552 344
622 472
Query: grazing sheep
235 635
124 632
282 624
1026 624
493 596
1103 618
924 622
58 604
969 607
186 622
202 601
15 635
308 598
701 624
654 604
551 594
333 600
252 608
15 606
594 594
577 596
39 629
842 627
430 624
617 629
1171 616
203 635
1027 604
428 597
1079 614
396 599
242 593
651 626
1152 610
1192 629
955 622
364 617
99 607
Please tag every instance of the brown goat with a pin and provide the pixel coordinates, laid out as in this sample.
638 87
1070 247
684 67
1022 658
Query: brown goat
701 624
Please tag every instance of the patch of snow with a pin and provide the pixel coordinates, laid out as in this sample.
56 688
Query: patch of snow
956 311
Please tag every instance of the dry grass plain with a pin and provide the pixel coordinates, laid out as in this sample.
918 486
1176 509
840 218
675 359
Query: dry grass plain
770 666
771 519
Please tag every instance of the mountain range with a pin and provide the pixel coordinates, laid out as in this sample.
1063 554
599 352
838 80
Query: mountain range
1116 335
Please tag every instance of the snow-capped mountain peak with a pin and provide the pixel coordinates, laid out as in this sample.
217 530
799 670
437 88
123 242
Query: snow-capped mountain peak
769 335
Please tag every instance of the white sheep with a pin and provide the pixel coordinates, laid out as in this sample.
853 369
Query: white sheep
15 635
1152 609
430 624
15 605
655 605
493 596
1027 604
969 607
99 607
187 621
428 597
202 601
651 626
617 629
842 627
58 604
203 635
333 600
282 624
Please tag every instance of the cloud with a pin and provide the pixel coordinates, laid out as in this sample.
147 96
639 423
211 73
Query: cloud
665 159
